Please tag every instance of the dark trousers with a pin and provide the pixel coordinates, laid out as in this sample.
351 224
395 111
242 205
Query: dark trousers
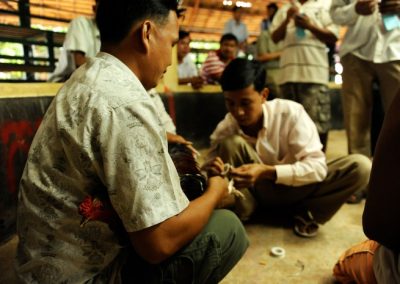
346 175
207 259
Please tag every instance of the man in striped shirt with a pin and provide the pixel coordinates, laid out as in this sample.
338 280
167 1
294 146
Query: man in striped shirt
305 28
216 61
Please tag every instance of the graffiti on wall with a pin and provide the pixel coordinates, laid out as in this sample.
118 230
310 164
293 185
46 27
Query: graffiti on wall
16 138
19 121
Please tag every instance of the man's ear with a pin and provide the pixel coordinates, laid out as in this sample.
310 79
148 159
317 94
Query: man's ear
146 31
264 93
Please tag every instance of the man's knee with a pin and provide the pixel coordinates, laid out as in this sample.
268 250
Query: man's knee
231 143
362 167
226 224
232 237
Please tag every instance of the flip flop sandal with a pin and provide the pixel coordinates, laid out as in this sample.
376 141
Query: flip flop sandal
356 198
305 227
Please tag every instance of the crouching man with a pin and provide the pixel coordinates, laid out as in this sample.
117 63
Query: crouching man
277 156
100 199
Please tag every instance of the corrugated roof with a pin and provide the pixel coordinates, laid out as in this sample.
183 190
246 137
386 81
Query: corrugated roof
204 18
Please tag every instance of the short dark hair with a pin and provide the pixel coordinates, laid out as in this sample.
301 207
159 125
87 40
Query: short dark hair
227 37
183 34
114 18
273 6
236 8
242 73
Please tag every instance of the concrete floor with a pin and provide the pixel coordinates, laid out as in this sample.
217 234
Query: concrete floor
308 261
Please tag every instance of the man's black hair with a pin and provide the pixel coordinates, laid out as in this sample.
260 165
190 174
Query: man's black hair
242 73
183 34
227 37
115 18
273 6
236 8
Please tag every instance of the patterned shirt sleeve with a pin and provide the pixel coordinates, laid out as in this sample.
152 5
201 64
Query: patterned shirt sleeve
140 177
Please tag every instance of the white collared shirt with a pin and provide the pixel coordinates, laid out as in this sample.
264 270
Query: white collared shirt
288 140
366 37
83 36
187 68
165 118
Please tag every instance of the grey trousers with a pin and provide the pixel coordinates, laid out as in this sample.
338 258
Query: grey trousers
207 259
358 76
346 175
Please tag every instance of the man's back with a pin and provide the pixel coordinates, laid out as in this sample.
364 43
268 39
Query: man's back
80 151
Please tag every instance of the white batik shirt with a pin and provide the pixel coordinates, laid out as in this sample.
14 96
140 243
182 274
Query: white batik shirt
101 136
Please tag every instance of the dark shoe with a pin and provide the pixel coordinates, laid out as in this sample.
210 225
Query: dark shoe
305 226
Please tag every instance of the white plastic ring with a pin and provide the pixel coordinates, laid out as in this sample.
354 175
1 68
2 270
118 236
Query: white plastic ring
227 169
277 252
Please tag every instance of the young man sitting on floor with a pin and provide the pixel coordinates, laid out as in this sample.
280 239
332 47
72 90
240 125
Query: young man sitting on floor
277 156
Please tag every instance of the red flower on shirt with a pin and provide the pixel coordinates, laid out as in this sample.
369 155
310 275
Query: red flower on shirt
94 209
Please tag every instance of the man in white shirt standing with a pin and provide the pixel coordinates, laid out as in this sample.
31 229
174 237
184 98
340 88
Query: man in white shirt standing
370 52
276 154
81 42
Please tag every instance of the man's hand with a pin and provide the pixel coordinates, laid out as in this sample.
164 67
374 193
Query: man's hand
174 138
291 13
213 167
247 175
302 21
218 183
390 7
366 7
196 82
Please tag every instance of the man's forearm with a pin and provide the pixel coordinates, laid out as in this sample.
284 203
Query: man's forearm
323 35
280 33
157 243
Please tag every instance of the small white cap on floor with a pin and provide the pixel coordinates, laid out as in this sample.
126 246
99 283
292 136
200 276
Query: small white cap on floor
277 252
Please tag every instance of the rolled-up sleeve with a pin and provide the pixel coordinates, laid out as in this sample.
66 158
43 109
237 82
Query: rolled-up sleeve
343 13
310 165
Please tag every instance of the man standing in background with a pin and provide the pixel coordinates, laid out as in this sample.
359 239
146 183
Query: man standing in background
269 52
82 41
370 52
271 8
237 27
305 28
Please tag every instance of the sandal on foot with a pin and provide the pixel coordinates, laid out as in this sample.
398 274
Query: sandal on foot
356 198
305 226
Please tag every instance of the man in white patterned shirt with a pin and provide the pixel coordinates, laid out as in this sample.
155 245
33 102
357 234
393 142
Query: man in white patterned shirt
276 153
100 199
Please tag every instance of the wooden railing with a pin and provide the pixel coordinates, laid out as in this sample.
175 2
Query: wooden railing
29 37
